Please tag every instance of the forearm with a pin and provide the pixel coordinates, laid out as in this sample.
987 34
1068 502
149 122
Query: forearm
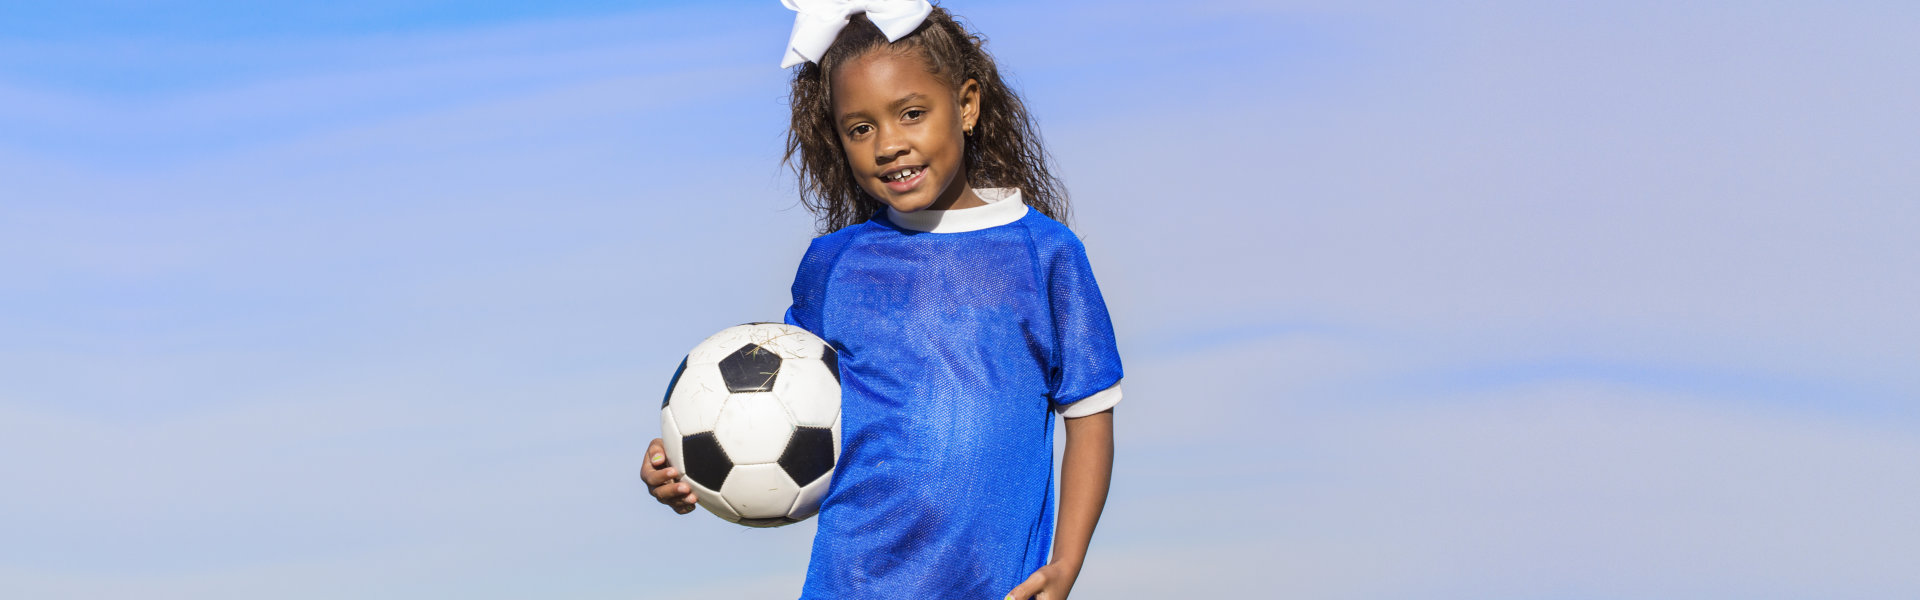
1085 473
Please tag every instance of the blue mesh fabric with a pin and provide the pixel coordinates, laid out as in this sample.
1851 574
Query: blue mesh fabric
954 350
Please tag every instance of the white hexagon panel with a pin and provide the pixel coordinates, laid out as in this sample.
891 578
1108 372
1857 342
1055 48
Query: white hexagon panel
715 503
762 494
809 392
696 398
754 428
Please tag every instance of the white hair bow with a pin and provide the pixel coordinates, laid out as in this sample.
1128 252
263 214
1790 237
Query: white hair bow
820 21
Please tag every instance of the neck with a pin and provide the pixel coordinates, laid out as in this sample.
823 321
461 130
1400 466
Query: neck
957 197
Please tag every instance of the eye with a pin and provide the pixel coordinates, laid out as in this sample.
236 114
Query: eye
914 114
859 130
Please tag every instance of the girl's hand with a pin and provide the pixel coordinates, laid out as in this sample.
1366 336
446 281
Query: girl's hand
1051 582
663 481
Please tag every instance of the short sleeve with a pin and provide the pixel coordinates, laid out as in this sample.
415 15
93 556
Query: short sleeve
1085 374
810 283
805 310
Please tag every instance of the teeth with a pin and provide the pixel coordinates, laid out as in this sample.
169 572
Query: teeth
903 174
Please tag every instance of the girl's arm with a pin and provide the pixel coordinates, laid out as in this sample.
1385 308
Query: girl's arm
1084 475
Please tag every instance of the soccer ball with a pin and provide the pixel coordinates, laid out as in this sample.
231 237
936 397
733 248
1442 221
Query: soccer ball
752 418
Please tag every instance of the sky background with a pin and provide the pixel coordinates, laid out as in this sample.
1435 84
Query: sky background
1493 300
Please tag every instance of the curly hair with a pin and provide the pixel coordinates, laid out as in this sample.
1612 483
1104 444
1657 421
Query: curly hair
1004 150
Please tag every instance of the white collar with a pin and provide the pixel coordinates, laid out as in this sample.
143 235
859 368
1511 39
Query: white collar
1003 206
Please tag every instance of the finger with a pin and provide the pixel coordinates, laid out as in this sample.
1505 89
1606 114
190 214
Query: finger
656 477
685 504
688 499
672 492
656 456
662 477
1028 588
657 453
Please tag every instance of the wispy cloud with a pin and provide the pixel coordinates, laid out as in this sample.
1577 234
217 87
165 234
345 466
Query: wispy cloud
1494 302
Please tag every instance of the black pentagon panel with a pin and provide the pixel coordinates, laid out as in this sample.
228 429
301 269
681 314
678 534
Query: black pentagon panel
674 382
707 462
750 369
767 522
809 454
833 361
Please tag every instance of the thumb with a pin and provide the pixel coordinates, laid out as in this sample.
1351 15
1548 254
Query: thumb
657 454
1027 589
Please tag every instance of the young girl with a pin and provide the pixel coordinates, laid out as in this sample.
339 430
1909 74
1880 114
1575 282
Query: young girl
964 312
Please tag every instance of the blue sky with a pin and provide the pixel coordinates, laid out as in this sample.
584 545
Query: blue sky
371 299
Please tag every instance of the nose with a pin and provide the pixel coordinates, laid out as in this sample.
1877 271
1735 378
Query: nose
890 145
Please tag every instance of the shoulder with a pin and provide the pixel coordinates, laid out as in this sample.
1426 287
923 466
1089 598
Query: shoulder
816 269
1051 239
829 246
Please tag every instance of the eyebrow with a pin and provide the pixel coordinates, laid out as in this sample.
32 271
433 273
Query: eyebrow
895 105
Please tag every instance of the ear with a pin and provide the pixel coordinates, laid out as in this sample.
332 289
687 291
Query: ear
969 99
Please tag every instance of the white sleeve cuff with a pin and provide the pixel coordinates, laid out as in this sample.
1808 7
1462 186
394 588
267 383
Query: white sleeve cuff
1099 401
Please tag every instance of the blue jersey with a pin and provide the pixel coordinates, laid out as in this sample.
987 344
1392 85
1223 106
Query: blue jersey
957 345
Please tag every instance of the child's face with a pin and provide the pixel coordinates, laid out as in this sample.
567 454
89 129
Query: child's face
904 130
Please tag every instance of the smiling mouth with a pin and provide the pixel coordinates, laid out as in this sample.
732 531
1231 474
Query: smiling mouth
901 175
